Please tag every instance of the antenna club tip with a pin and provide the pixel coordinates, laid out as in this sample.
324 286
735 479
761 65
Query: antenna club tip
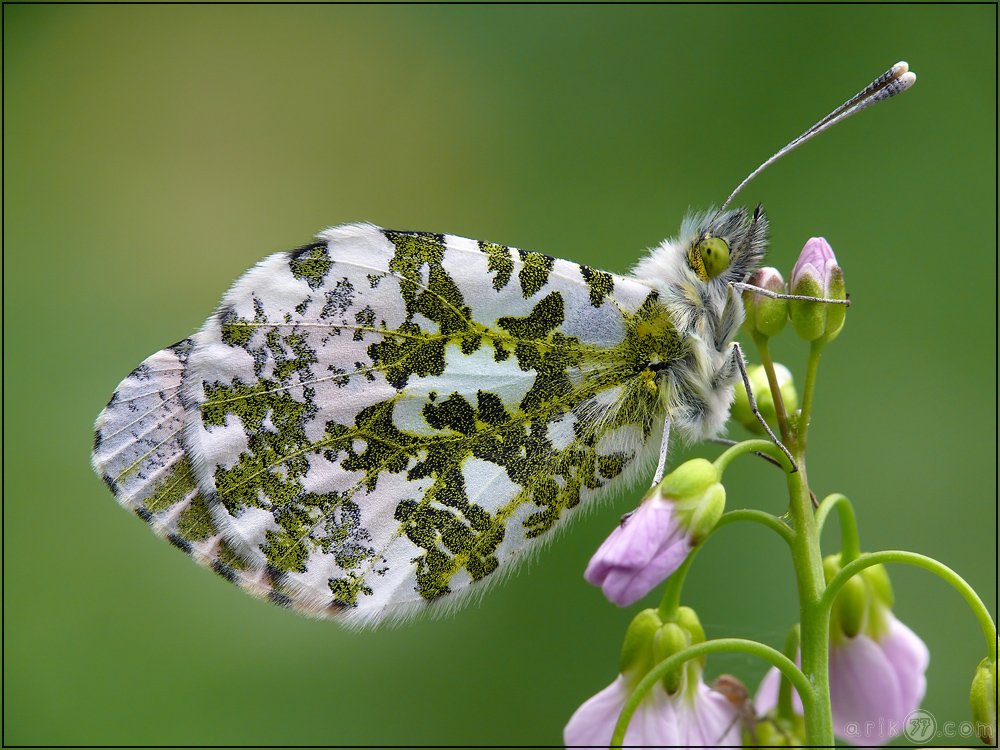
901 67
906 80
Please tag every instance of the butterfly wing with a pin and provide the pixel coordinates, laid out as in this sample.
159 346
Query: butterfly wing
380 420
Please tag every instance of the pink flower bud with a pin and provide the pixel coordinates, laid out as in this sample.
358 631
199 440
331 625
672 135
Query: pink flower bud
817 262
816 274
640 553
651 543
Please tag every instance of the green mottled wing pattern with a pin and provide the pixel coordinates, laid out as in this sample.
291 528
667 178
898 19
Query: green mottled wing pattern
381 420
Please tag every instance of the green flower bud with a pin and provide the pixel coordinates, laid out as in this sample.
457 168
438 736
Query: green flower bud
637 650
670 639
878 578
765 316
983 700
689 480
765 400
779 733
816 274
850 607
699 499
687 618
706 513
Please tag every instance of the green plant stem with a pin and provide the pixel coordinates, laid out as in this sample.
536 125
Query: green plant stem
671 598
764 350
771 655
814 618
815 349
927 563
756 516
785 708
850 547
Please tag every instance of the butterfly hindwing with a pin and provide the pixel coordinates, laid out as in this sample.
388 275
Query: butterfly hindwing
383 420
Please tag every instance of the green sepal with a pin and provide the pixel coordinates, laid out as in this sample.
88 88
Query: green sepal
670 639
808 318
851 607
835 314
879 600
697 496
771 316
707 513
877 577
689 480
637 650
983 701
687 618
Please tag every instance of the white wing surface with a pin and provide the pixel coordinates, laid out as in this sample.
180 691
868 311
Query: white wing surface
380 421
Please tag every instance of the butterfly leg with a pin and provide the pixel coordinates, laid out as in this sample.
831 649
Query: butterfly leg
740 286
742 364
730 443
664 444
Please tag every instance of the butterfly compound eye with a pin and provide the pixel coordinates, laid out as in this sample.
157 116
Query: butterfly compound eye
714 256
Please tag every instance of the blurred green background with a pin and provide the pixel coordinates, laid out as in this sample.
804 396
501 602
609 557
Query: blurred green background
153 153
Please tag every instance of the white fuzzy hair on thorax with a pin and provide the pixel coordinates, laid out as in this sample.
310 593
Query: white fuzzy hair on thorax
706 315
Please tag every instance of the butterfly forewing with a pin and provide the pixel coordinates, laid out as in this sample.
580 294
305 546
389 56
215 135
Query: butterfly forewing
379 420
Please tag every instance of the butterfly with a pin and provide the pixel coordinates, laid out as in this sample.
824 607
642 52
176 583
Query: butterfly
382 422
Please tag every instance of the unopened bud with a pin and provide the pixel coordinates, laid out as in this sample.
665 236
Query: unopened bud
670 639
765 400
816 274
983 700
765 316
637 650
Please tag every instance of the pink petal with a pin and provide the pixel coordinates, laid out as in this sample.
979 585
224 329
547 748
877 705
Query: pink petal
661 720
593 723
767 693
813 261
655 722
640 554
710 721
622 547
873 685
909 658
865 693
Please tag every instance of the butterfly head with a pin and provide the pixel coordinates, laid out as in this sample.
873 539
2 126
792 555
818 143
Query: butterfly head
720 248
712 251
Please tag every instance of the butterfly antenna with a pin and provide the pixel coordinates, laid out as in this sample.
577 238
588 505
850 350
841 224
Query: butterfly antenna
894 81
